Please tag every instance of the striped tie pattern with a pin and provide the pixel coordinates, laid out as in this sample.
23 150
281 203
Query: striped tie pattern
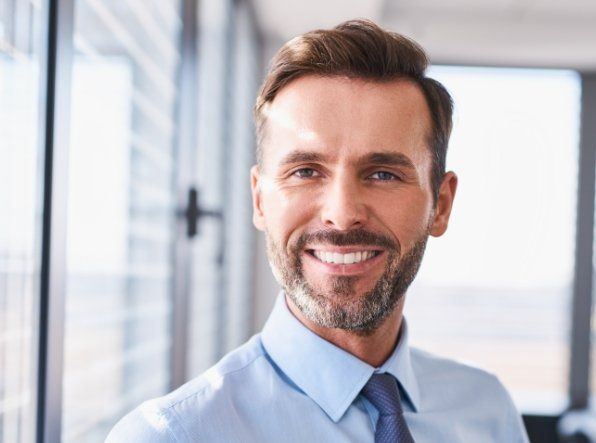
382 391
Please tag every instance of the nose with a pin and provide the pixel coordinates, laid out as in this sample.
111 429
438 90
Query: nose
343 205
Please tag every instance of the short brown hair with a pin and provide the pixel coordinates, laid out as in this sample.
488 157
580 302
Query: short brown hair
360 49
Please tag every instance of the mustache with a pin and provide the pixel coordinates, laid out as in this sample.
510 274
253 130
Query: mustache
355 237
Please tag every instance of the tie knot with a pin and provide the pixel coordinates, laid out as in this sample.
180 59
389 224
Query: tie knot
382 391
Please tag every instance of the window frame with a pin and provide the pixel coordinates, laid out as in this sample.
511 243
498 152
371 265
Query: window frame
55 74
582 304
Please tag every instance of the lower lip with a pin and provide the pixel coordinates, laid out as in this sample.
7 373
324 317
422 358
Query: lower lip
344 269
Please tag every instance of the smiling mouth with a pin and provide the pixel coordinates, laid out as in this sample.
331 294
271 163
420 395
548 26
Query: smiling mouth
343 259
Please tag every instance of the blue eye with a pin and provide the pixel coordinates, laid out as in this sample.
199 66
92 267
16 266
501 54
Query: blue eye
384 176
305 173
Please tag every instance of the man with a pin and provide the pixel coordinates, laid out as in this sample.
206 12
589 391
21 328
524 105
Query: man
350 183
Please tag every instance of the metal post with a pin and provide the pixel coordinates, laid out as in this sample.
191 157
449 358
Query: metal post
579 382
55 78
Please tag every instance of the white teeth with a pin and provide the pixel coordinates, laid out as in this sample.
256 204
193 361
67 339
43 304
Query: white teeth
347 259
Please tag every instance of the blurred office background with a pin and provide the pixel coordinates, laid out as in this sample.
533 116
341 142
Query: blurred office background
121 120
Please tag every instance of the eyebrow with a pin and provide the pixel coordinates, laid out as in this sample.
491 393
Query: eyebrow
301 156
374 158
388 158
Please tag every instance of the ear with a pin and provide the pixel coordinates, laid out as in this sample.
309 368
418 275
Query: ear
444 204
257 212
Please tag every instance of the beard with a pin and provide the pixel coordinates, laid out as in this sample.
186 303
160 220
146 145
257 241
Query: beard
339 306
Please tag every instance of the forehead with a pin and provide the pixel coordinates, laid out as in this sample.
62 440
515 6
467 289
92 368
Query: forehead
347 117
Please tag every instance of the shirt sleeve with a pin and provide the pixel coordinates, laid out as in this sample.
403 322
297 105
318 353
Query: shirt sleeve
145 425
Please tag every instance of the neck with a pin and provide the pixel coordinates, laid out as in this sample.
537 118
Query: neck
374 348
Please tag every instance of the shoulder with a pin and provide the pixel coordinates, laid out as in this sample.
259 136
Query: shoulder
468 393
434 370
173 417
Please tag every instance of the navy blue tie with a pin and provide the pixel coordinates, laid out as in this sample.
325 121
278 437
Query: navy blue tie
382 391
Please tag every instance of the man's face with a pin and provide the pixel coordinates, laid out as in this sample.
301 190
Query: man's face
344 196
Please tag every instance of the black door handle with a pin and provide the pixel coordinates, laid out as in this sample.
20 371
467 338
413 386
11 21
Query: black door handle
194 212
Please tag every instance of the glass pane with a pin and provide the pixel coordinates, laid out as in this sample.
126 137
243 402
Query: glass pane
239 228
496 289
121 211
208 302
222 296
20 216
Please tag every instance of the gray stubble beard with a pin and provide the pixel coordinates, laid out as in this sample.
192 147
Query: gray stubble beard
343 309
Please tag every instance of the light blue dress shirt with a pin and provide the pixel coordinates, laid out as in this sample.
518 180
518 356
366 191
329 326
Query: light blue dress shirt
289 385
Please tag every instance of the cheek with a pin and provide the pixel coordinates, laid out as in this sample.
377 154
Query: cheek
407 220
285 213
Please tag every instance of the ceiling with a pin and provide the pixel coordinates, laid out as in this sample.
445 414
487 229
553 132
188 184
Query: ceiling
535 33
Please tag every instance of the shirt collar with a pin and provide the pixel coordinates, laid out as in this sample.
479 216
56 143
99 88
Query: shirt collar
332 377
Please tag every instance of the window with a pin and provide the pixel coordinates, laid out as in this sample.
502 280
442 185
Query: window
221 313
496 289
20 216
207 307
121 212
